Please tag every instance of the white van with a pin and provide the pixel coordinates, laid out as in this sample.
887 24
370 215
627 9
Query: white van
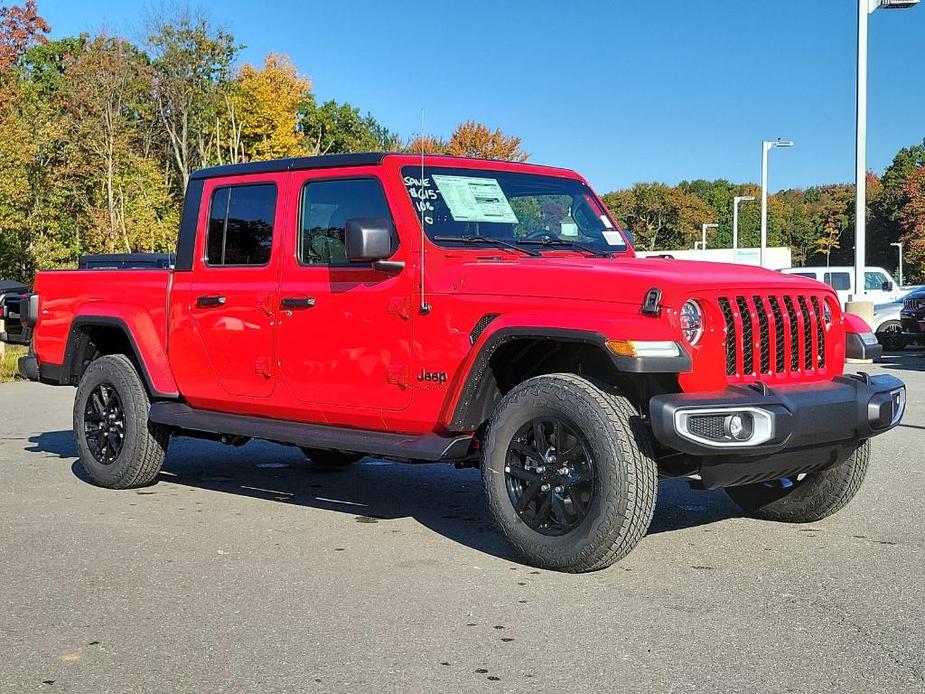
879 286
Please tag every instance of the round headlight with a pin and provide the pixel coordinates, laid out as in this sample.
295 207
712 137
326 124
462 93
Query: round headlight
692 321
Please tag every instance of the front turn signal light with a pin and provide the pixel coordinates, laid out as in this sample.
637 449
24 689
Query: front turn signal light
639 348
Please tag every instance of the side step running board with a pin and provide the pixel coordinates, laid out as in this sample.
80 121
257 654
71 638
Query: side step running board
404 446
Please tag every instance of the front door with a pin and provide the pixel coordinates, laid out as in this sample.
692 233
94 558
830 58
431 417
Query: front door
344 335
230 296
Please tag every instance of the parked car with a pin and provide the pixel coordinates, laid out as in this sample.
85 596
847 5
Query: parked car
887 326
484 313
912 316
879 286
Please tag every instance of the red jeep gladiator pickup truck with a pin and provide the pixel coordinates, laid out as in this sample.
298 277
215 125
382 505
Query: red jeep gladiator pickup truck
479 312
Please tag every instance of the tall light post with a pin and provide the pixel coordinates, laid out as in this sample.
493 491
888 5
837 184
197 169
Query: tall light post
766 146
735 219
865 9
703 228
899 247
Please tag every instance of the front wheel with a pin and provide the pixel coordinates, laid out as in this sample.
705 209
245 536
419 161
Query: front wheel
568 473
807 498
118 447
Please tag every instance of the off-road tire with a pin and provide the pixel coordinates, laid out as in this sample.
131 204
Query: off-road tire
816 496
144 445
626 477
332 458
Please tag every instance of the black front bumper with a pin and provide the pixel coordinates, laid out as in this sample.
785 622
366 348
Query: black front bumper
796 428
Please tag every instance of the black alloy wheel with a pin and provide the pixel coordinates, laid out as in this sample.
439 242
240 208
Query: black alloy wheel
549 475
104 424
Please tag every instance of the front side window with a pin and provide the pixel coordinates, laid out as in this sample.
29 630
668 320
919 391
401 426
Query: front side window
527 209
241 225
874 281
838 281
327 206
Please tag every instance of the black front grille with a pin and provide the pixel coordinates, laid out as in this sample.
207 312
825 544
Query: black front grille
773 334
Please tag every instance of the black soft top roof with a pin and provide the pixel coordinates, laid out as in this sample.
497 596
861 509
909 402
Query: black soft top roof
324 161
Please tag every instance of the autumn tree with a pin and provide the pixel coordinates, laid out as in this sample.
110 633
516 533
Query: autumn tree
107 87
659 216
20 27
428 144
192 63
263 114
471 139
911 215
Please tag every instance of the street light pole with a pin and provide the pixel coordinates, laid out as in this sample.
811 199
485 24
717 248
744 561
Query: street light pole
899 247
865 9
704 228
735 219
766 146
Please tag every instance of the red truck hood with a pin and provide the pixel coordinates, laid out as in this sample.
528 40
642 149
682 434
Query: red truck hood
624 280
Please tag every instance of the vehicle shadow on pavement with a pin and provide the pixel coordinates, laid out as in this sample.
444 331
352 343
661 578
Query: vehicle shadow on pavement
439 497
906 360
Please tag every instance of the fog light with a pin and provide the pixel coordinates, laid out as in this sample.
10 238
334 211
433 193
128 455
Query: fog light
739 426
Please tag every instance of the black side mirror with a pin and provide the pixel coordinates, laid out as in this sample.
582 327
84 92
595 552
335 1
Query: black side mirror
369 239
887 286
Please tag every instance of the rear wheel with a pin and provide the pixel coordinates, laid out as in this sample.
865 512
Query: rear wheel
568 473
118 447
332 458
806 498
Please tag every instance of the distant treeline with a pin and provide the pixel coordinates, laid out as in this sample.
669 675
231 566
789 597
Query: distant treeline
99 134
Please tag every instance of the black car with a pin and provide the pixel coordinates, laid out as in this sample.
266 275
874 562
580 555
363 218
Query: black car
913 315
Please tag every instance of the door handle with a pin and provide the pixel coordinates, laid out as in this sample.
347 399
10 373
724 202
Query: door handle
210 301
291 302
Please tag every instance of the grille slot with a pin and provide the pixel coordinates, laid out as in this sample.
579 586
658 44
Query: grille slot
764 339
774 334
748 337
731 341
778 334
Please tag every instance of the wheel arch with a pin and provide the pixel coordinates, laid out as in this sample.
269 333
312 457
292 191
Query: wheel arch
510 355
91 336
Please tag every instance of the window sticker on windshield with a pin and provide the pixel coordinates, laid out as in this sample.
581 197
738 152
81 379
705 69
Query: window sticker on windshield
473 199
606 221
614 238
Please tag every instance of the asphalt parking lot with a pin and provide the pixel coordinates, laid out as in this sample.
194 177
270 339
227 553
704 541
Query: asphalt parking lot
245 570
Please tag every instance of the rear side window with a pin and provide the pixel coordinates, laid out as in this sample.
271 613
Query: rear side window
811 275
326 208
241 225
838 280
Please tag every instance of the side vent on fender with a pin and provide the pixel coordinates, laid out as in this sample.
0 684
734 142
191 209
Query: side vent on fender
479 328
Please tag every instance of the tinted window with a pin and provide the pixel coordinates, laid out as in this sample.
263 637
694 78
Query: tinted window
241 225
811 275
326 207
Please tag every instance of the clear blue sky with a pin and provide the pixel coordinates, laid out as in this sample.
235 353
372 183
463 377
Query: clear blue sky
622 90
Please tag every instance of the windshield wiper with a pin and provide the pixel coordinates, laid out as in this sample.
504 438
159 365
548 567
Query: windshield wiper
488 240
562 242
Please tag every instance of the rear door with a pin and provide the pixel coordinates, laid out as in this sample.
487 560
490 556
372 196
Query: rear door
227 304
345 328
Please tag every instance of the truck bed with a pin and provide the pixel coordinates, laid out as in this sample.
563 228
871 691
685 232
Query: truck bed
68 294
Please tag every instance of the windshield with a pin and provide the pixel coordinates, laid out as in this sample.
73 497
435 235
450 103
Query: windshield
513 207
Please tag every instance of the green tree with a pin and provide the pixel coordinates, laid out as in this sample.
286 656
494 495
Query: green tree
333 128
660 216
